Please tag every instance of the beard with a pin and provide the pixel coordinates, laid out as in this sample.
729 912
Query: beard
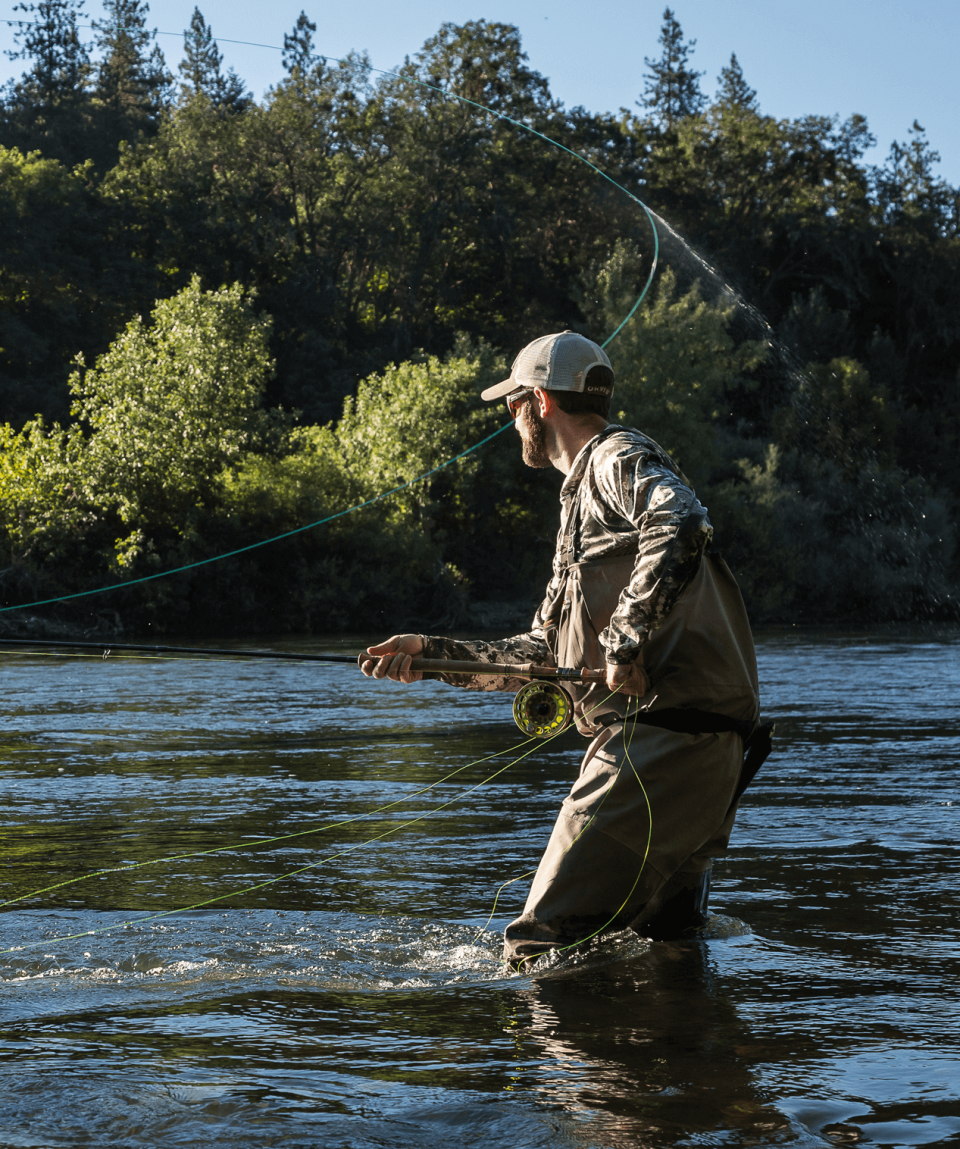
533 437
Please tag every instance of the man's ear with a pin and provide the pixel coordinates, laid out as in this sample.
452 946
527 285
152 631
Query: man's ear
545 402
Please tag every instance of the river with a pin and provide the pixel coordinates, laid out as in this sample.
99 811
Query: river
361 1001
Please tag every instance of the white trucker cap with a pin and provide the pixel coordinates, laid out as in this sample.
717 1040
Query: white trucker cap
555 363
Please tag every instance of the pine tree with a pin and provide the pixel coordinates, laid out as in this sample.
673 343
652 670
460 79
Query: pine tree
132 80
48 108
672 90
201 69
61 62
298 45
734 91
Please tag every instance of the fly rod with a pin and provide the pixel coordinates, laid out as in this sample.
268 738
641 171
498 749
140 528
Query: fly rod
540 708
428 665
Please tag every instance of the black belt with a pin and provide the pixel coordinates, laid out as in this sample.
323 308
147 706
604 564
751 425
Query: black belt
683 720
757 737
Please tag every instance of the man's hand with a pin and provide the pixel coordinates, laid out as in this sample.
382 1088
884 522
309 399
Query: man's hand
391 659
628 678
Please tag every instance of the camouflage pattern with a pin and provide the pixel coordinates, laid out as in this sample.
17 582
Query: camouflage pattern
624 495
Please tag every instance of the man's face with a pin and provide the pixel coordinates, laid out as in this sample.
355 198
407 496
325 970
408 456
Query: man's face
533 434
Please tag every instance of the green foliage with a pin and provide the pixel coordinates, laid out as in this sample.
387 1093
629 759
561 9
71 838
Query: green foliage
55 240
38 479
173 403
50 38
132 83
413 417
842 415
70 108
52 539
367 565
809 543
201 68
734 91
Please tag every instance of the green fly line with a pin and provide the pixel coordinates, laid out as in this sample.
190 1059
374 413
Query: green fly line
130 866
427 474
291 873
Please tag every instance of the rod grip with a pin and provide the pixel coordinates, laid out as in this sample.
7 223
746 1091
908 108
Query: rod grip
512 670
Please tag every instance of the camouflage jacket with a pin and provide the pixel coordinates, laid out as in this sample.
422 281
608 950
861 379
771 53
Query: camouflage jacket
623 495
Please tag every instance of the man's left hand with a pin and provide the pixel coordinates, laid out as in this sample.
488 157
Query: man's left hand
628 678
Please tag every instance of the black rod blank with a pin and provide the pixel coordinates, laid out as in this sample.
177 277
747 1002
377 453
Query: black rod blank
107 648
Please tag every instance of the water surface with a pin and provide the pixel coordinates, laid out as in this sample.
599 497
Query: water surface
361 1001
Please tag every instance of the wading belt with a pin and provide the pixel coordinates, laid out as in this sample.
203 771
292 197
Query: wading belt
757 738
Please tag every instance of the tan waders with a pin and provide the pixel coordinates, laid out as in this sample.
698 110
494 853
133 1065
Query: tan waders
633 844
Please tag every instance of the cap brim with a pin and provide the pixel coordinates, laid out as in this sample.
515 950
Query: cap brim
499 390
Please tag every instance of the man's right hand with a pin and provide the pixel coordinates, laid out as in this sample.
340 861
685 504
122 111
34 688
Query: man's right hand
391 659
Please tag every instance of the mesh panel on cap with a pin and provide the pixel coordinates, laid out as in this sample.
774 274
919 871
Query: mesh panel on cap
569 360
533 362
557 361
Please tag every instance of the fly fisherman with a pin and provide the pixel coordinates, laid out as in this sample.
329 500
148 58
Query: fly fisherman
637 589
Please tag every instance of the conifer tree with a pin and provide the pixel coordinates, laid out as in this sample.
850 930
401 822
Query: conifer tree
132 80
50 38
48 108
672 89
734 91
201 68
298 45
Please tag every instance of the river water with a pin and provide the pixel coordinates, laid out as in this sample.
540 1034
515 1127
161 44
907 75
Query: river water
361 1002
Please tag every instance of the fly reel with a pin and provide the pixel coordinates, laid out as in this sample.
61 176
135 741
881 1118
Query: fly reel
542 709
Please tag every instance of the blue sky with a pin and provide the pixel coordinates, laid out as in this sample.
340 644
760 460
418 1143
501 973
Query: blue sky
890 62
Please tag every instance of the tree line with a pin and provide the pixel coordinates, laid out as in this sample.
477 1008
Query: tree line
222 318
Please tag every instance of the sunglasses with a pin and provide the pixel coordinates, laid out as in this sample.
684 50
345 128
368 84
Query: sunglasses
515 399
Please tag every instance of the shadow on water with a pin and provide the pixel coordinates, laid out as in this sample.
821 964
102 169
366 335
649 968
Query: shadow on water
362 1003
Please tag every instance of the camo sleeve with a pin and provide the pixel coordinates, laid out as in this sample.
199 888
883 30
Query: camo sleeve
529 647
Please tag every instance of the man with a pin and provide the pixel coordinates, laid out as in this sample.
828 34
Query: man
636 589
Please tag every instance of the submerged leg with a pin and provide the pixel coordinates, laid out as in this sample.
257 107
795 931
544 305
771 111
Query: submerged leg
633 842
679 905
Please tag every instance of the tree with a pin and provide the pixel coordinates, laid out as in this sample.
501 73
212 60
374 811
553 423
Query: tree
201 69
414 417
734 91
61 62
298 54
909 191
839 414
48 108
133 83
676 362
170 405
672 89
68 279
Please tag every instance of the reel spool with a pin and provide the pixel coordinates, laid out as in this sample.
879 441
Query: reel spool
542 709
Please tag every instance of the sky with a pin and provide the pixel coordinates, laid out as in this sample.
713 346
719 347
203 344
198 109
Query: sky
890 62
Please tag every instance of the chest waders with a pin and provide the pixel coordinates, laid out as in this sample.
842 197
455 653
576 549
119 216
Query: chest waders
657 791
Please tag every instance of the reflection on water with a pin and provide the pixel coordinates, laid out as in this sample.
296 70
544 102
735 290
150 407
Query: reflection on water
362 1002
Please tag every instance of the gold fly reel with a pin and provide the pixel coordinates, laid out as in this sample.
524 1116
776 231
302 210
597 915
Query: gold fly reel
542 709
